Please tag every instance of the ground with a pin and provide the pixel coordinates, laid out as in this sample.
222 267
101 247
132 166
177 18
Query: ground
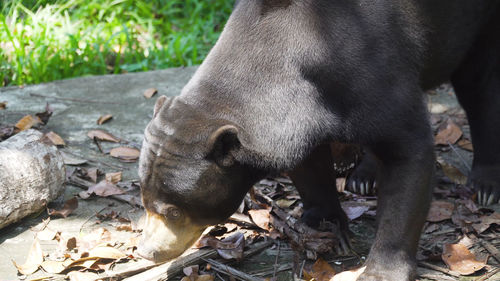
78 103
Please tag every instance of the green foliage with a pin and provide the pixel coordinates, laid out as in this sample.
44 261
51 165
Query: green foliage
42 40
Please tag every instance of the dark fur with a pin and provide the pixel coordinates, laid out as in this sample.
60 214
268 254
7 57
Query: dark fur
288 76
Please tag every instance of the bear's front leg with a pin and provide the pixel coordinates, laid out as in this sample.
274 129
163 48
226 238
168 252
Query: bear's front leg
407 171
314 178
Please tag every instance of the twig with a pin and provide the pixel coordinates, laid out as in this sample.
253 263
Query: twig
137 269
302 268
45 223
222 268
438 268
97 162
446 231
488 275
96 142
45 278
268 271
302 236
437 277
494 251
218 276
276 260
256 248
302 228
165 270
89 218
344 259
459 155
74 99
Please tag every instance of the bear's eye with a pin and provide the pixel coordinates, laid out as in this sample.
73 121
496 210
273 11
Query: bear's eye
168 210
173 212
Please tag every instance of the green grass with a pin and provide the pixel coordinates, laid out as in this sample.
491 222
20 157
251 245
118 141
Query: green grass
43 40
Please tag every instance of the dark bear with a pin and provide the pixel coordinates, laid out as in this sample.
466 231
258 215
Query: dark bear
288 77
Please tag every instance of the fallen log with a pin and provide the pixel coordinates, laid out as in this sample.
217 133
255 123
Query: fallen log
31 175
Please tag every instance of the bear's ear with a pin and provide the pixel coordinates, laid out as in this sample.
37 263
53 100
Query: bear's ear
159 104
223 145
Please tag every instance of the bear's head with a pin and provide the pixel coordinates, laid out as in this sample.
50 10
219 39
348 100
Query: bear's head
193 175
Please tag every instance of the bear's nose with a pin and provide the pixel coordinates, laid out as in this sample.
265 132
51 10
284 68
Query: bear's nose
146 252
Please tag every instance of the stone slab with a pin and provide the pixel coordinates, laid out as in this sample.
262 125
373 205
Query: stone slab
77 104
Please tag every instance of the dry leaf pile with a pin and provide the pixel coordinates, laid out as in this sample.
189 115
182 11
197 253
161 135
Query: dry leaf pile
29 121
95 252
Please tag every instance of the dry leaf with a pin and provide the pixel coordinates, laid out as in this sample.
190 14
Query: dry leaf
149 93
54 267
450 134
33 261
275 234
320 271
232 246
440 211
109 216
354 212
71 243
465 144
66 210
71 160
350 275
486 222
431 228
132 242
204 277
3 105
46 235
260 218
104 189
53 138
469 204
216 230
124 227
460 259
191 271
463 217
296 212
114 177
453 173
82 276
45 116
86 262
229 248
125 154
230 227
104 118
66 242
285 203
102 136
27 122
105 252
91 240
92 173
6 131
